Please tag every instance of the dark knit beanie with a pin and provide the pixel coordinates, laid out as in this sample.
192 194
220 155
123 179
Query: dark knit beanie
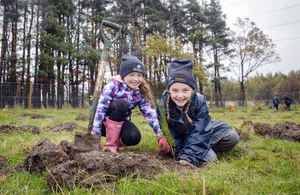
131 63
181 70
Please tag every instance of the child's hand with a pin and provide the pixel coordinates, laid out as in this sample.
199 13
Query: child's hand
163 146
95 132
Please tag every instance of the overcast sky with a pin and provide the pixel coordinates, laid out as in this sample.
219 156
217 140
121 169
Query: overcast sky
280 19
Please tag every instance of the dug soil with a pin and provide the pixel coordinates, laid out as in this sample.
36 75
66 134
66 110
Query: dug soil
287 131
67 126
69 165
82 117
35 116
27 128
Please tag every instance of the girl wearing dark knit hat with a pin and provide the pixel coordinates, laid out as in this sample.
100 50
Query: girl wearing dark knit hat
197 138
123 93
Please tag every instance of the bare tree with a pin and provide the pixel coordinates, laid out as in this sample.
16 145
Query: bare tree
252 49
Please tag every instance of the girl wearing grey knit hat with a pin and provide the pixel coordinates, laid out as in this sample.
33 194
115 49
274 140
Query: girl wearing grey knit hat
197 138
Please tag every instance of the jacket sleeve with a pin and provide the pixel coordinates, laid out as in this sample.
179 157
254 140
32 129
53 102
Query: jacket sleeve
151 116
198 140
106 97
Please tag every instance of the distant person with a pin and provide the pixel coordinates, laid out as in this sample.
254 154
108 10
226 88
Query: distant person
197 138
288 101
276 101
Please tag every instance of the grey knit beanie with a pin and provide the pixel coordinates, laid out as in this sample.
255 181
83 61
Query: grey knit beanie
131 63
181 70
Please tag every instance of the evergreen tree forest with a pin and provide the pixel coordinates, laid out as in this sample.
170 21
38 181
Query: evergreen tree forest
51 49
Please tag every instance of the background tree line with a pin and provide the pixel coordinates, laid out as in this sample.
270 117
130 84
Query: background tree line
50 49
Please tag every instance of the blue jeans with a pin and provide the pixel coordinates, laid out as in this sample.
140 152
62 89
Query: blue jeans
223 139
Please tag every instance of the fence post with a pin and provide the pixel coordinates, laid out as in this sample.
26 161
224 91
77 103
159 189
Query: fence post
30 96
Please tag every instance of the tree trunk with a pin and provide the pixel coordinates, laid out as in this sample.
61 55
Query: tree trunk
59 73
243 94
22 93
36 100
27 92
3 53
12 74
83 84
216 79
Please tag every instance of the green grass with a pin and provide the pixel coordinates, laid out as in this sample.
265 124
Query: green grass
258 166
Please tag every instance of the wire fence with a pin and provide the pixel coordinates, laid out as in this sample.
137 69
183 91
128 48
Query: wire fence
41 95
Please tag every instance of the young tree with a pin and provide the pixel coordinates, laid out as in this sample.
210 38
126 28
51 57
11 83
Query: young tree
219 45
195 22
252 49
4 45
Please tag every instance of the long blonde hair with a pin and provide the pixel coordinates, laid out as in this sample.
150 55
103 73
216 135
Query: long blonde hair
147 92
186 108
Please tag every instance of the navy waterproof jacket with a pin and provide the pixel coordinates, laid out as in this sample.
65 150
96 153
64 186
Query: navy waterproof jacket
192 141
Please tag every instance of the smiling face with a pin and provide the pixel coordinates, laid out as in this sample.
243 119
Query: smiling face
180 93
133 79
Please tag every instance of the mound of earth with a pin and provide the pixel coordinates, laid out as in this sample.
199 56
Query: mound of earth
68 126
67 164
243 135
35 116
86 141
27 128
94 168
247 127
82 117
288 131
238 118
44 154
7 128
31 128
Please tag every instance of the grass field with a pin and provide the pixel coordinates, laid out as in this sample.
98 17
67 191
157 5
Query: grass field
256 166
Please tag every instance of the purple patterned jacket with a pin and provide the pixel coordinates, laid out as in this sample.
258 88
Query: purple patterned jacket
117 89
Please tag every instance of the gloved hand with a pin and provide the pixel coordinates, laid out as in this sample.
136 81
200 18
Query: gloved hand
95 132
163 146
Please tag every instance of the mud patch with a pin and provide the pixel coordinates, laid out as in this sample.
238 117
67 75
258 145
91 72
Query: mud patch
71 149
82 117
44 154
68 164
31 128
86 141
35 116
238 118
243 136
95 168
26 128
68 126
7 128
287 131
247 127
